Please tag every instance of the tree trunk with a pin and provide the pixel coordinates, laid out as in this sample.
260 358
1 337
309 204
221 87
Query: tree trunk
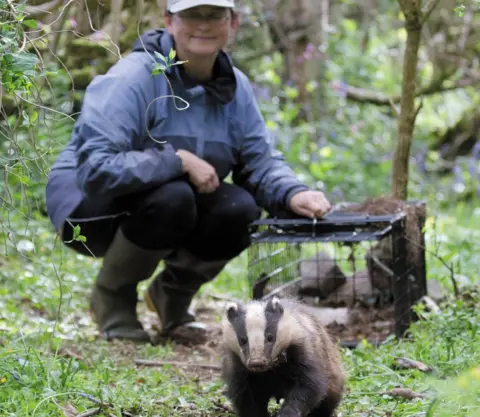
415 17
406 120
293 26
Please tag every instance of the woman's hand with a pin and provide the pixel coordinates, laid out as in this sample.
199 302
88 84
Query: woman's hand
201 174
311 204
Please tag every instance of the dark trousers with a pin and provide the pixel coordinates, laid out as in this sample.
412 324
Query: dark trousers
210 226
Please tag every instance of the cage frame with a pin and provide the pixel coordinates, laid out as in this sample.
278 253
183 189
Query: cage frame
341 227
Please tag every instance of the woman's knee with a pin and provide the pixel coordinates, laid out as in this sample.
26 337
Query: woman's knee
171 201
238 207
162 215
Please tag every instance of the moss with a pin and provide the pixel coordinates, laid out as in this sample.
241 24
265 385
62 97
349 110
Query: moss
82 77
90 49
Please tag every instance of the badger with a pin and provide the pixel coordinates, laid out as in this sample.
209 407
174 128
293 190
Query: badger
279 349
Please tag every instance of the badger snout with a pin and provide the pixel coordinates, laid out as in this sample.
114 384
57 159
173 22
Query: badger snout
257 364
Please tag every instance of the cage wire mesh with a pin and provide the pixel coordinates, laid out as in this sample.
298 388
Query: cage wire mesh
358 269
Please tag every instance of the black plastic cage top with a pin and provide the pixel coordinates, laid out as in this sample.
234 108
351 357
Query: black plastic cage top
345 259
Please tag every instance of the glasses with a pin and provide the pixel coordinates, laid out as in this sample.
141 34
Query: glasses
195 17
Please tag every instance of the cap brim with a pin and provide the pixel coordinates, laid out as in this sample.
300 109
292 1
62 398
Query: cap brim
188 4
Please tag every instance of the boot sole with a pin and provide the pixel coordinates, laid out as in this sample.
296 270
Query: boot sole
139 340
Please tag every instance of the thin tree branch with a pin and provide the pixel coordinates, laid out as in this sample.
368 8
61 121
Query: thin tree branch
403 5
427 10
146 362
41 9
373 97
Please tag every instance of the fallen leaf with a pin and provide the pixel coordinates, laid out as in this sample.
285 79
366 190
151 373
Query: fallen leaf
71 353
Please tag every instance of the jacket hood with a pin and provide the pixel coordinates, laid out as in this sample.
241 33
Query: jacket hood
221 87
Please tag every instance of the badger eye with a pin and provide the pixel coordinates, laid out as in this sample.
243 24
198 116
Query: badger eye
243 341
269 338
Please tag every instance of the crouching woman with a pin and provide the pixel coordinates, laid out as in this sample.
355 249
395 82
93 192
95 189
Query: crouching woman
143 174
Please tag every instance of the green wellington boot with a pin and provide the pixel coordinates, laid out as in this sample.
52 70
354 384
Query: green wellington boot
171 292
113 301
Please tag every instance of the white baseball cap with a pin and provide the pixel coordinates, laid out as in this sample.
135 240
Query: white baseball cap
175 6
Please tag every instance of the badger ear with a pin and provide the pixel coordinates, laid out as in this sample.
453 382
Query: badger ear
274 305
231 310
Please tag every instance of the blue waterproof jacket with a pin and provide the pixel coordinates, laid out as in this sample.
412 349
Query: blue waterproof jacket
111 154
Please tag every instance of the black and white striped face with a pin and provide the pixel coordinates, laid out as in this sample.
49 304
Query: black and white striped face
255 332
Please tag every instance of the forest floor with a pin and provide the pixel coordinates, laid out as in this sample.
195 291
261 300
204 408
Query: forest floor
52 362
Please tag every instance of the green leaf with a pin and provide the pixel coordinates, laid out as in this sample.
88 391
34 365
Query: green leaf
23 62
7 77
7 43
160 56
24 179
31 23
350 25
172 54
76 231
179 63
460 10
158 68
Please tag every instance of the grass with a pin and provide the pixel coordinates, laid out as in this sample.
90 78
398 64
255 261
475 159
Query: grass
52 364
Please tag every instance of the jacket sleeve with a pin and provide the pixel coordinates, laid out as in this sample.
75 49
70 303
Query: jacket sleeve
262 170
113 116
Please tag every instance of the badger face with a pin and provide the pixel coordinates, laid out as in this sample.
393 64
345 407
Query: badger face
252 331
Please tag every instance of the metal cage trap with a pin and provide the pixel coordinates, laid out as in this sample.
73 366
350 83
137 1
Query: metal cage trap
360 269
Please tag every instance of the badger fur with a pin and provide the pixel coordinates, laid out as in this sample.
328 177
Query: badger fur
279 349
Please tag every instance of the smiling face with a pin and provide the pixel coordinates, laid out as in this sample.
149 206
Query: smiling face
201 31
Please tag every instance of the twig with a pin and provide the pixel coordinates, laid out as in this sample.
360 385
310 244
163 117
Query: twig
91 412
435 254
381 265
418 109
222 407
91 398
403 5
363 393
57 26
362 95
41 9
146 362
222 297
394 107
208 350
428 9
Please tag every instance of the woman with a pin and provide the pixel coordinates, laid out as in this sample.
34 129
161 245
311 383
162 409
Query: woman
144 174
